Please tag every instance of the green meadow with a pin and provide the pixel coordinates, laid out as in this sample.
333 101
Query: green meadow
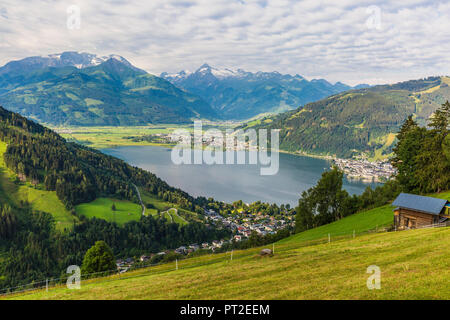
102 208
361 222
180 216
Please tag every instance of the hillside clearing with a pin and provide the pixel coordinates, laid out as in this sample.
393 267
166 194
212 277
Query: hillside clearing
102 208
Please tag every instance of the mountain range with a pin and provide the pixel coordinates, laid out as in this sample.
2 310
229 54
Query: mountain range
358 121
72 88
84 89
238 94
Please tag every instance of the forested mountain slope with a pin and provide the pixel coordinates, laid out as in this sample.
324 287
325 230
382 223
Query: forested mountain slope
107 91
359 121
77 173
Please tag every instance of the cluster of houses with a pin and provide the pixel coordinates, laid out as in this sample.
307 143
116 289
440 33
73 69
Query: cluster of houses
209 139
214 245
366 170
246 223
241 227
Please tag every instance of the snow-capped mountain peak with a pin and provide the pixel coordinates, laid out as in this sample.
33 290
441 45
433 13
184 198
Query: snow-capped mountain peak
218 73
64 59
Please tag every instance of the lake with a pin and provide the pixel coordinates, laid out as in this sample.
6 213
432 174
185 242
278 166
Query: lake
234 182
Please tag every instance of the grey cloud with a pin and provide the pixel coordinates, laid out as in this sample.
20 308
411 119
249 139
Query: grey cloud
314 38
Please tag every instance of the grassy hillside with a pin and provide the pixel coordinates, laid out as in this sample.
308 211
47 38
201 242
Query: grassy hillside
414 265
360 223
359 121
39 199
7 187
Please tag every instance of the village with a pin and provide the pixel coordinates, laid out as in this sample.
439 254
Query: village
241 226
379 171
211 139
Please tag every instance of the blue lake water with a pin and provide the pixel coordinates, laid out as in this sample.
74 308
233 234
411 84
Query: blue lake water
234 182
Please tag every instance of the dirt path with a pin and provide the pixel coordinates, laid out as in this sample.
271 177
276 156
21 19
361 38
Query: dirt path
140 199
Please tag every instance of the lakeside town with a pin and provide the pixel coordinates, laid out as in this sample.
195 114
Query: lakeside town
362 169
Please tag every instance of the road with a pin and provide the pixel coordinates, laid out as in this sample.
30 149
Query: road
140 199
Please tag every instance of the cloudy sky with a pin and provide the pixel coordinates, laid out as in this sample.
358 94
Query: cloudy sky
354 42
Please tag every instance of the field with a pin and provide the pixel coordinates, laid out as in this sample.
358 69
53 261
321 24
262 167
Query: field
47 201
102 208
40 199
110 137
171 215
414 265
128 211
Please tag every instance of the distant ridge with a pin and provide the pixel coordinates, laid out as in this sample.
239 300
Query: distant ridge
238 94
362 121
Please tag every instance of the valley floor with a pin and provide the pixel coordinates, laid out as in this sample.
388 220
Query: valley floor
414 265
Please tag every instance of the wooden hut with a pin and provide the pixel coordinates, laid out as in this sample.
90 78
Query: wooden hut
415 211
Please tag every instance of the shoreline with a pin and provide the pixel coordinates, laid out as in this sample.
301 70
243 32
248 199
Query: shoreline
332 160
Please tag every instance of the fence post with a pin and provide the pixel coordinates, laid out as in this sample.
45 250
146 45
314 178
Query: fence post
273 248
231 255
329 238
176 264
353 234
46 285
